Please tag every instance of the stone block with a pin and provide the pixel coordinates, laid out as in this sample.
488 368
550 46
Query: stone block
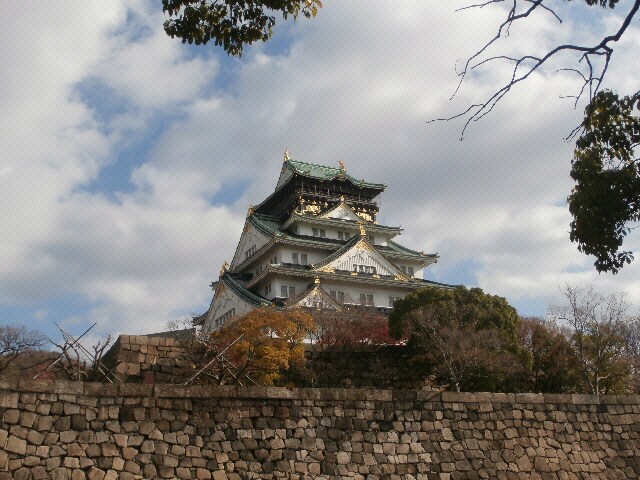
64 387
583 399
169 391
16 445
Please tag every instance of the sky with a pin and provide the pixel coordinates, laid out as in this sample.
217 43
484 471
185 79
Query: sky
128 160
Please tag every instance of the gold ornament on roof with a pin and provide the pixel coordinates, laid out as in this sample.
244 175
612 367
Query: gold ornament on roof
316 280
340 164
341 198
327 269
287 155
250 211
363 232
224 268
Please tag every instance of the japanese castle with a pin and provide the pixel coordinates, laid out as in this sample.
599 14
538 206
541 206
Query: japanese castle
315 242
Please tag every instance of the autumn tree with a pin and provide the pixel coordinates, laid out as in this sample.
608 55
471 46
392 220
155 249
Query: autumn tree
599 326
352 325
256 348
465 336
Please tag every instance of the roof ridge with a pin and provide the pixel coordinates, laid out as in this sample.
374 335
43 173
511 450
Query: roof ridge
312 164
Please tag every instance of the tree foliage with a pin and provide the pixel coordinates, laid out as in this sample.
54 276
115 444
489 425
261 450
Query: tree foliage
231 24
351 326
466 337
605 200
554 366
258 347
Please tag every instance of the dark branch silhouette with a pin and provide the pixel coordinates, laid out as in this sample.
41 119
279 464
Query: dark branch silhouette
526 65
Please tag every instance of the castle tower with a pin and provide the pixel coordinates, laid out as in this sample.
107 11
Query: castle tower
315 242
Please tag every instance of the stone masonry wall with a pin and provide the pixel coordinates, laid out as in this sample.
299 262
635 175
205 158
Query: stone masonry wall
148 359
76 431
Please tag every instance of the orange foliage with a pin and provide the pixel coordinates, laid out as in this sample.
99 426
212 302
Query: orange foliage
267 341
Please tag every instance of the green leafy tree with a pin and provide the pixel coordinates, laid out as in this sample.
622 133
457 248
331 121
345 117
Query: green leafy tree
466 337
231 24
605 200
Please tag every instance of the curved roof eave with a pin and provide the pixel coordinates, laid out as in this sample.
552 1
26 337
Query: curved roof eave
322 172
241 291
339 223
338 175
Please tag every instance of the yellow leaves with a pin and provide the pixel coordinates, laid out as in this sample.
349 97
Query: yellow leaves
270 341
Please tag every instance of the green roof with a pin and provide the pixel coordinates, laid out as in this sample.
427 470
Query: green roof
238 287
323 172
396 248
267 224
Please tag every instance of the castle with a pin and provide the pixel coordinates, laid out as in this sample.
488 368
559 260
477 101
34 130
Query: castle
315 242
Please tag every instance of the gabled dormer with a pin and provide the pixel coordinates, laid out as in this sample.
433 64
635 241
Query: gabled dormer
342 211
359 257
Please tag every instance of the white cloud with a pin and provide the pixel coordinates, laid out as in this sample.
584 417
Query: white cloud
356 84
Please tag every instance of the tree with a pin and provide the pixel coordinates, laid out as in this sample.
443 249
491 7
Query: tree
17 341
257 347
231 24
606 197
599 327
351 326
554 367
466 337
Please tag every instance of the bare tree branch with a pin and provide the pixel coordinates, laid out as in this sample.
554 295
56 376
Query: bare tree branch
591 80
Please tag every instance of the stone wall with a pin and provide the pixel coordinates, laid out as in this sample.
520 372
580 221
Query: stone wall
68 430
148 359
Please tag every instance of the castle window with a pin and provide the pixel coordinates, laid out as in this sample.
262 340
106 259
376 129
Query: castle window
250 252
303 259
364 269
392 300
410 270
366 299
294 258
287 292
337 295
223 319
267 289
319 232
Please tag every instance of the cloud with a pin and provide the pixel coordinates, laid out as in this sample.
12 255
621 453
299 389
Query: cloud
358 83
